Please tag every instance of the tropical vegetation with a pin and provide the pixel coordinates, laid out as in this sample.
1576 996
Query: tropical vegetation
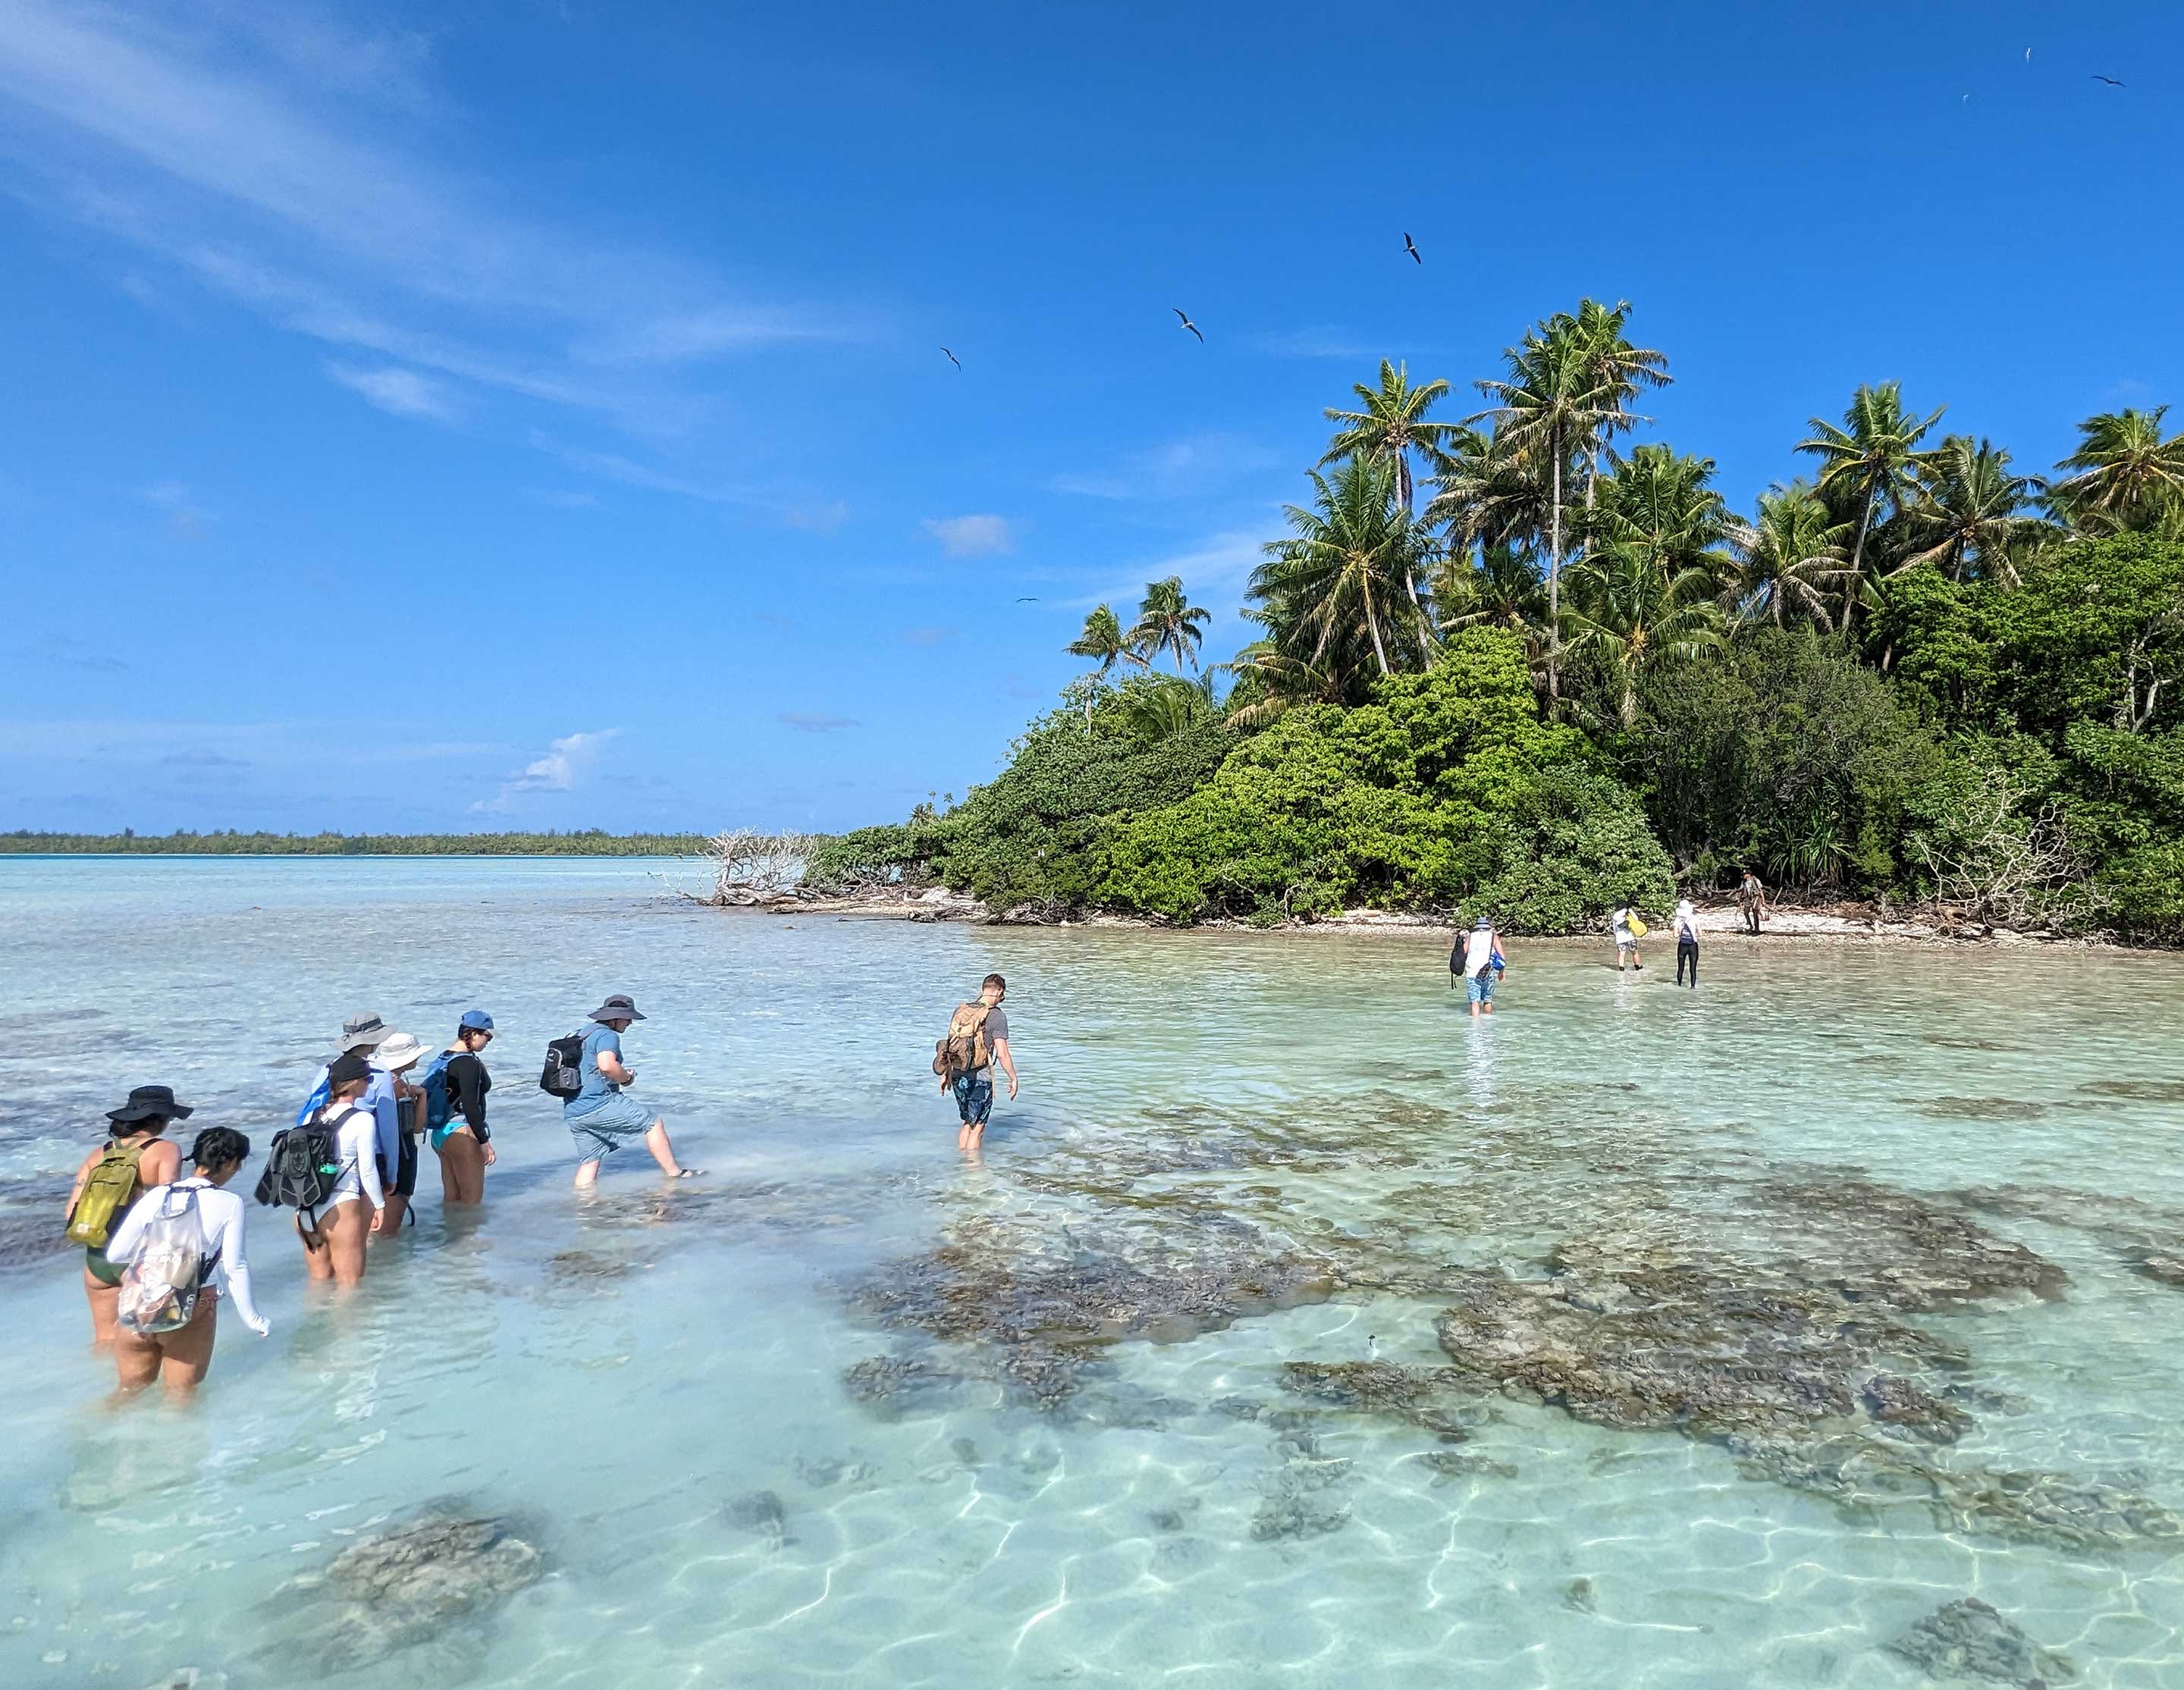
1514 660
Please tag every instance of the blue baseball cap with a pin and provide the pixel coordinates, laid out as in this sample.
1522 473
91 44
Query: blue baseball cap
476 1021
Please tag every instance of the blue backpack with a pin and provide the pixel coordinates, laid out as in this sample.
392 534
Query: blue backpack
438 1109
314 1103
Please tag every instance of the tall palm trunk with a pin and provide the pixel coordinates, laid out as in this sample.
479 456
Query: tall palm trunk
1857 560
1373 623
1427 633
1555 582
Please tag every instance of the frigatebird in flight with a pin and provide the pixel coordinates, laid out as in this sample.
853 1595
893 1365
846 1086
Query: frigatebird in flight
1187 323
953 359
1410 247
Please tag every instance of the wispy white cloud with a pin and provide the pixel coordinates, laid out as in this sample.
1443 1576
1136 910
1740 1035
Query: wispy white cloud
185 519
1174 468
614 466
292 162
807 721
820 519
403 393
1322 340
562 498
973 536
68 652
1214 572
566 761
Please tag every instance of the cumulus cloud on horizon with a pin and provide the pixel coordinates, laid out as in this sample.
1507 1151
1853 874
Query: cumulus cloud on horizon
567 760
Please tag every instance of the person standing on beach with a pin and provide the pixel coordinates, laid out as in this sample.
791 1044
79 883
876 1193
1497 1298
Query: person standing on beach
1751 899
180 1359
600 1119
454 1087
1479 971
135 1156
1628 929
985 1025
1687 942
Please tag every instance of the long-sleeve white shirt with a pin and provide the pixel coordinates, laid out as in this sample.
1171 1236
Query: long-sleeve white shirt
220 1213
355 1139
385 1109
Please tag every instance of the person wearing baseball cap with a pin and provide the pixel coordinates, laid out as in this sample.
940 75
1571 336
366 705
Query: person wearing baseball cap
456 1085
334 1248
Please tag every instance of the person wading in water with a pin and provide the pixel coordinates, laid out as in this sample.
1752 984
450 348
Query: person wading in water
134 1158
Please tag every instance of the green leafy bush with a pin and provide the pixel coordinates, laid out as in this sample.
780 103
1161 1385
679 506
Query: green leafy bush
1447 788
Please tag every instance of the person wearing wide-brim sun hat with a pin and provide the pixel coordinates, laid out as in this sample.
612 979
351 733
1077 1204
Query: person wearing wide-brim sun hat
393 1057
600 1119
136 1157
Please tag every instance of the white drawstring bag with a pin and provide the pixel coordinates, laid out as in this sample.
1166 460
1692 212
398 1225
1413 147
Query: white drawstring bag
160 1287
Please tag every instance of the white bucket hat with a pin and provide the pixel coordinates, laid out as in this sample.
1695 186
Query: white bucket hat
398 1050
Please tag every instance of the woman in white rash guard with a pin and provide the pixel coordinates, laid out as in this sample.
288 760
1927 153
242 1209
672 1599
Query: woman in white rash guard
336 1249
180 1359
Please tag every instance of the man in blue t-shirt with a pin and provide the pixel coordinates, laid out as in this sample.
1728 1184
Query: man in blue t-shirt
600 1118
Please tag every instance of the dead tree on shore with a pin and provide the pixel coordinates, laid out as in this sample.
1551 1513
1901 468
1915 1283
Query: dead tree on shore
750 867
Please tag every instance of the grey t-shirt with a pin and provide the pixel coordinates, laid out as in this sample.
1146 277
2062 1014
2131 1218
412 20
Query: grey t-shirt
997 1029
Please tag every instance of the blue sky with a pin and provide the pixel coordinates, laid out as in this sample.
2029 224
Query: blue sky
530 415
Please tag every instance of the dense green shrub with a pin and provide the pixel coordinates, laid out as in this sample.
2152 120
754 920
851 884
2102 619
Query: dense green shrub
1785 752
1447 788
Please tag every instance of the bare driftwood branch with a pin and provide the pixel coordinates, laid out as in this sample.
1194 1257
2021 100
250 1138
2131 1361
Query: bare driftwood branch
750 867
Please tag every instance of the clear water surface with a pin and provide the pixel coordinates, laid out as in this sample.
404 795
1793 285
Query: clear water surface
652 1386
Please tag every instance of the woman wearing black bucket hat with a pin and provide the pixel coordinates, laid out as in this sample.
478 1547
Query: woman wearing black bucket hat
134 1158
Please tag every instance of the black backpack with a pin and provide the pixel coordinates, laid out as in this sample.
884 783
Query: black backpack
1455 957
563 1075
302 1166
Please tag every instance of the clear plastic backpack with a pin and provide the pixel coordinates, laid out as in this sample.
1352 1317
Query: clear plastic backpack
159 1288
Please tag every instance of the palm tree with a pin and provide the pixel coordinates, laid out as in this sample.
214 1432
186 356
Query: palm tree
1161 708
1632 616
1550 409
1392 424
1618 371
1169 621
1331 588
1103 641
2128 478
1787 556
1970 515
1658 505
1871 461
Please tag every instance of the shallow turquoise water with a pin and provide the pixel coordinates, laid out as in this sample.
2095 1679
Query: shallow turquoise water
623 1377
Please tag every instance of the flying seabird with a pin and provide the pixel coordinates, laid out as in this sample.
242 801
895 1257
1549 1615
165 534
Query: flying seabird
1410 247
1027 601
2110 81
953 359
1187 323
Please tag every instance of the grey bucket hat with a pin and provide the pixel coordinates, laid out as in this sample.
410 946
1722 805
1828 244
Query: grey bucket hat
364 1031
618 1008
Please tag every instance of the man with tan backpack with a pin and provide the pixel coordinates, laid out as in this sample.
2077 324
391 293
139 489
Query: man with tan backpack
977 1038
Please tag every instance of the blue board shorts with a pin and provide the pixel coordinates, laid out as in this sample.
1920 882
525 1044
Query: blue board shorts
1480 987
599 1133
974 1098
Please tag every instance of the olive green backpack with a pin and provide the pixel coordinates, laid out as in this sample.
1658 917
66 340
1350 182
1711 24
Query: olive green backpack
106 1192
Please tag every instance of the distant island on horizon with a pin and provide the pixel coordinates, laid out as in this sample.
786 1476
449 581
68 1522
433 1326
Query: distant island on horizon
584 843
